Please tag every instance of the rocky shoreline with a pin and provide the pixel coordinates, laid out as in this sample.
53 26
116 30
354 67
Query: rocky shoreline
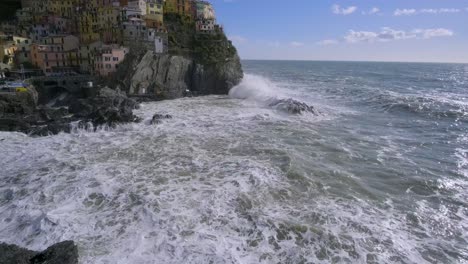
19 112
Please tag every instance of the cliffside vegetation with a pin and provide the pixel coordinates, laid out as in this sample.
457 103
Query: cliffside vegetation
203 48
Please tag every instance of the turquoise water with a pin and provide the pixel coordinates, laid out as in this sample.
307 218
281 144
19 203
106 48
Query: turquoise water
379 176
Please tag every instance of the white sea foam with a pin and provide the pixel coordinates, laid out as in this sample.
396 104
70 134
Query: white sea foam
255 87
231 181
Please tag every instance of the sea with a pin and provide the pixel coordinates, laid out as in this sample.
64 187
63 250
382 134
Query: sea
378 174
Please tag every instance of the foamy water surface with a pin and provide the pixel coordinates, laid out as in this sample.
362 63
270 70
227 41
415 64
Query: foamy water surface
380 176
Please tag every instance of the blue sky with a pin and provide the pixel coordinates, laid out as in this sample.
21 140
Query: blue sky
369 30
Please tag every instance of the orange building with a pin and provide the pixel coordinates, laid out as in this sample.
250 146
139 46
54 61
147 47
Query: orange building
56 53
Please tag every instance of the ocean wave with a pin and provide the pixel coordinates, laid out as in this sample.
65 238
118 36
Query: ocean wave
262 90
437 106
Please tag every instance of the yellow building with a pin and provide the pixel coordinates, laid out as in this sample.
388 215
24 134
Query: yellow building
108 23
154 13
88 26
62 8
181 7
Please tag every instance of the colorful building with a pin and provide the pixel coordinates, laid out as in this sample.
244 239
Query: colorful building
138 5
23 50
108 58
62 8
86 56
134 31
181 7
9 49
57 53
154 13
88 26
205 17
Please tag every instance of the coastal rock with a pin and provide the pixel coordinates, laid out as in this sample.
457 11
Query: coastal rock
18 103
292 106
171 77
217 78
157 118
109 107
61 253
162 76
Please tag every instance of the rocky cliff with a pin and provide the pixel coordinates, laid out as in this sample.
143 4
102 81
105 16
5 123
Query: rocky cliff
173 76
198 64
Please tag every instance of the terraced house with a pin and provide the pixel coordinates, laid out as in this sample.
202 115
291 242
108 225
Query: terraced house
181 7
93 36
154 13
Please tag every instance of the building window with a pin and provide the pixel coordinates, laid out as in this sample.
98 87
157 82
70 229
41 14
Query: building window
115 59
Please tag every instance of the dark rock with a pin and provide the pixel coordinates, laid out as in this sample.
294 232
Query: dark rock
171 77
14 124
109 107
292 106
52 114
157 118
11 254
61 253
18 103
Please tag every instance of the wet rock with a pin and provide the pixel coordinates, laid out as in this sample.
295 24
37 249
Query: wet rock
292 106
14 254
18 103
157 118
14 124
53 114
109 107
61 253
169 77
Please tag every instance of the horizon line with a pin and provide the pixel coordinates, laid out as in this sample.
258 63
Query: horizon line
382 61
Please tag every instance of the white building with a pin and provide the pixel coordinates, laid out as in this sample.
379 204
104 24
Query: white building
205 26
138 5
158 45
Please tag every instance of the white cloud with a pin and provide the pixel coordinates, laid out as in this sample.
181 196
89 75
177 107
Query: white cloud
327 42
238 39
388 34
338 10
296 44
410 12
404 12
374 10
434 32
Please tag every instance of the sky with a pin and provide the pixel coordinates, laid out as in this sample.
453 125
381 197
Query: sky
345 30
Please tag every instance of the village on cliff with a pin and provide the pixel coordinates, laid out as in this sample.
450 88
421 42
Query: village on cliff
58 37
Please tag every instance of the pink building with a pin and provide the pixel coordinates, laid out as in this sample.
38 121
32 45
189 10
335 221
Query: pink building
108 58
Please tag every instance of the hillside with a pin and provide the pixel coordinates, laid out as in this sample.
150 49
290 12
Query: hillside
197 63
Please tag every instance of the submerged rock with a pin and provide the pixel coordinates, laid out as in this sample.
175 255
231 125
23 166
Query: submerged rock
292 106
157 118
61 253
